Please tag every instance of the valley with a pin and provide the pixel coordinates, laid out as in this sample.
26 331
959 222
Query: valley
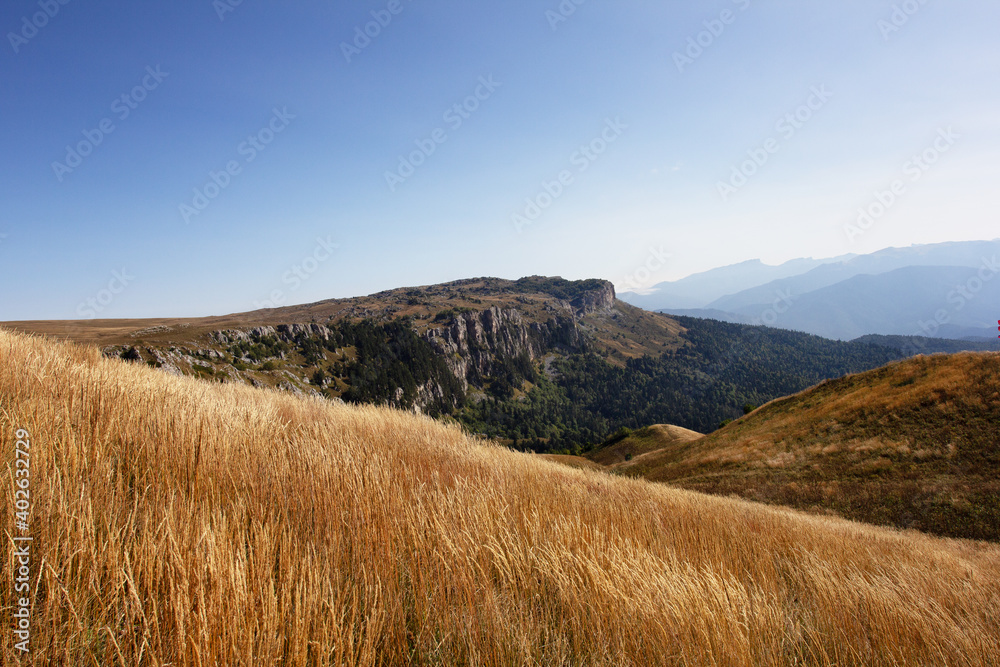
544 364
914 444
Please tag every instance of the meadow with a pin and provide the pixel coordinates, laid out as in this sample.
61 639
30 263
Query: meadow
181 522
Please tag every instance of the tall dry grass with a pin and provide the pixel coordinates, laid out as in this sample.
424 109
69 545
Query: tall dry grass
914 444
183 523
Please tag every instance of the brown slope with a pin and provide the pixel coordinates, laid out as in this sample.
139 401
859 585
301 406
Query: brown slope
619 330
914 444
578 462
657 440
186 523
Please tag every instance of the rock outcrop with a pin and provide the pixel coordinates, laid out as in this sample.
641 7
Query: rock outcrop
598 300
288 333
472 343
475 345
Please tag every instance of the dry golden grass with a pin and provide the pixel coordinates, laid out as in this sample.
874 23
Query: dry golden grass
914 444
572 461
184 523
650 442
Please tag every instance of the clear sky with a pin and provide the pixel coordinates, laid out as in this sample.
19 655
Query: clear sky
194 157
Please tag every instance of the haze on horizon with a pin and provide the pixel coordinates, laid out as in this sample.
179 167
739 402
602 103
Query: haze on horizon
207 156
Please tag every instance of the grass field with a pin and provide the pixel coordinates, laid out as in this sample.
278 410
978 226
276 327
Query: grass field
178 522
914 444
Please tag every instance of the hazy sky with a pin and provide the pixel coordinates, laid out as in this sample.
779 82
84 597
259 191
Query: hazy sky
198 157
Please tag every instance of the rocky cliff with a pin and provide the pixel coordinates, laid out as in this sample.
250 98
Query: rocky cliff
473 340
600 299
473 343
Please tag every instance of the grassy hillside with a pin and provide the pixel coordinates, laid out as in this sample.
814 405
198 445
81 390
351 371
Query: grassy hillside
545 364
630 333
913 345
914 444
720 368
183 522
626 445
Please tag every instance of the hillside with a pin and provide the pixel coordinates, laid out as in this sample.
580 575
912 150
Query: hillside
489 316
177 521
628 445
537 299
703 383
915 444
542 363
913 345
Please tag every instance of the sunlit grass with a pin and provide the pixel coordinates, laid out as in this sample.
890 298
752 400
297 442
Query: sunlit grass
186 523
914 444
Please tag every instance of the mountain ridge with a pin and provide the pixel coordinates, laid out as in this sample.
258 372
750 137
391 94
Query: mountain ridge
913 444
768 302
912 300
539 363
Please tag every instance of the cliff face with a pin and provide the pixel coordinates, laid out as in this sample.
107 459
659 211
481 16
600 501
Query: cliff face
288 333
601 299
473 343
474 346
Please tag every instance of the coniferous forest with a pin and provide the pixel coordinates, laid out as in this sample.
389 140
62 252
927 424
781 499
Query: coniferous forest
582 398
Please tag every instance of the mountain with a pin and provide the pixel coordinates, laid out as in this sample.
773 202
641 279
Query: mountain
183 522
721 368
969 254
734 288
710 314
915 300
626 444
539 363
702 288
915 444
913 345
942 290
949 337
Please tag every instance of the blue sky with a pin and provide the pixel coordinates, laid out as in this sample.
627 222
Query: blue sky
653 135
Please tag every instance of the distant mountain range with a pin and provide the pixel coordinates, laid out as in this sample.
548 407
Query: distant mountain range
945 290
700 289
